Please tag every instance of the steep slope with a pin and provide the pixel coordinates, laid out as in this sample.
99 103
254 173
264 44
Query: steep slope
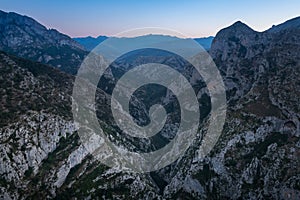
25 37
258 153
35 114
41 155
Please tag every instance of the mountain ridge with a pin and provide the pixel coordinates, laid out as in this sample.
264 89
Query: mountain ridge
91 42
25 37
291 23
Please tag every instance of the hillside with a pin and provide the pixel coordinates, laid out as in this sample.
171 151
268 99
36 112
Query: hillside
25 37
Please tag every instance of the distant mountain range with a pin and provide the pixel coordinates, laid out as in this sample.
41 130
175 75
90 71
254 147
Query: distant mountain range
25 37
90 42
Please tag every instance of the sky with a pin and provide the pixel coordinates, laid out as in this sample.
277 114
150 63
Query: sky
192 18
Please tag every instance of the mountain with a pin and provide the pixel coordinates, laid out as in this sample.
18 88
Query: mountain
205 42
41 154
90 43
35 115
25 37
290 24
256 157
40 147
258 153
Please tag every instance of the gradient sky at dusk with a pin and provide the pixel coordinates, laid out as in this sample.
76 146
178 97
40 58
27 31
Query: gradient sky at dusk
193 18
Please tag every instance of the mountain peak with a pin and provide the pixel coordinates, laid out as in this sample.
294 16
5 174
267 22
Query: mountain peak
237 30
228 39
240 26
239 23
